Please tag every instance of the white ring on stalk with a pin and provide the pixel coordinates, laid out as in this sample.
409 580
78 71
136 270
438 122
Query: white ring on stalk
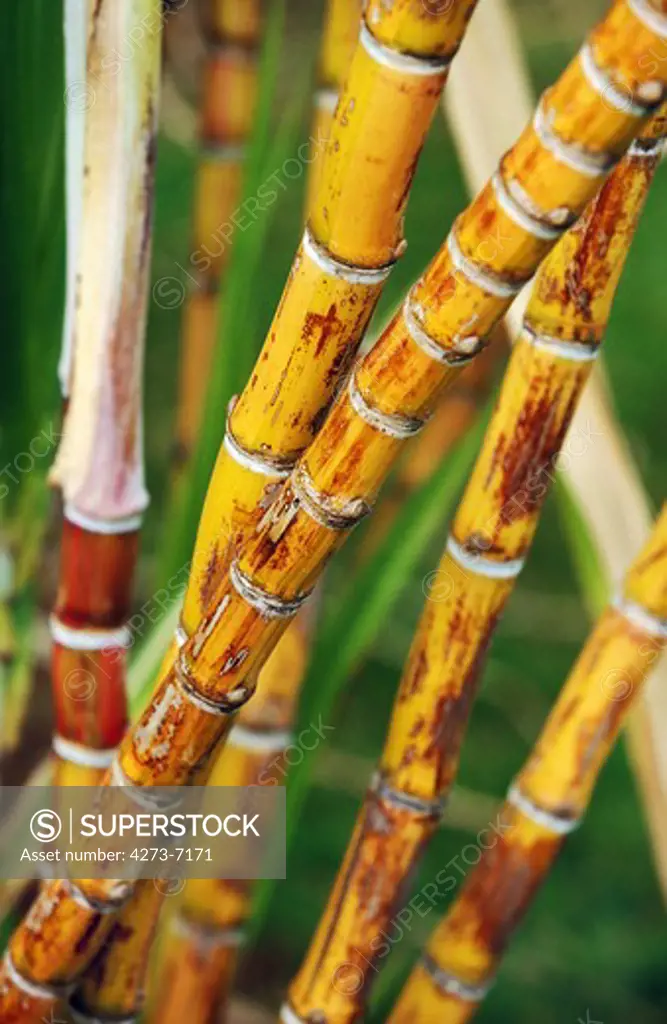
586 162
140 795
181 636
640 617
393 424
574 351
192 695
207 937
471 347
222 152
253 739
451 985
112 907
328 263
522 217
257 463
406 801
77 753
269 606
33 989
647 148
81 1017
603 84
88 639
233 49
481 566
545 819
404 63
326 99
329 512
648 15
289 1016
480 276
106 527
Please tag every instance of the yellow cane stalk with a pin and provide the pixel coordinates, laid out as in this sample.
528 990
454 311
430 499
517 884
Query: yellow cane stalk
486 105
112 987
199 953
203 937
203 923
547 799
341 30
549 366
208 902
452 419
332 290
227 110
543 183
353 238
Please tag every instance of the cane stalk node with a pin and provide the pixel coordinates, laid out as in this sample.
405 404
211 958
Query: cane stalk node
602 82
465 350
577 158
257 462
491 282
399 61
335 267
640 617
383 790
517 205
81 1016
575 351
32 989
95 524
205 936
473 561
107 906
269 606
647 14
222 152
392 424
223 707
326 509
78 754
449 984
560 826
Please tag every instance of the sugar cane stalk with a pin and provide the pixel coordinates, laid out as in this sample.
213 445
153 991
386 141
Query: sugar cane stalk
341 28
486 106
452 308
352 240
204 936
393 387
549 366
111 990
198 962
227 109
453 416
99 465
369 90
547 799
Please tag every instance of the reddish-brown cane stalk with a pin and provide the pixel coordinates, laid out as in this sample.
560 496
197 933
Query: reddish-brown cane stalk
99 464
